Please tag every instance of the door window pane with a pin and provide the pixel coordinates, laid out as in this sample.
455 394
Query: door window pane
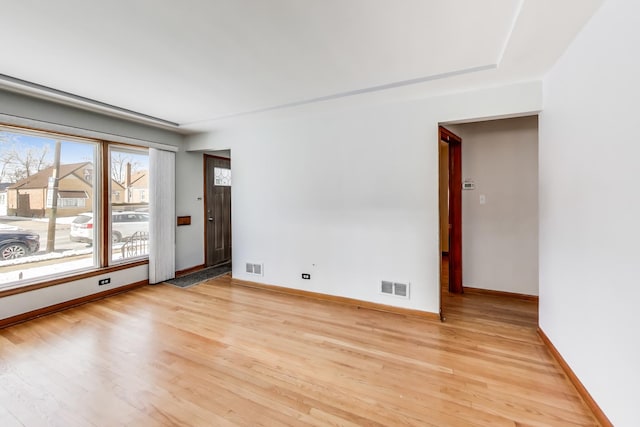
222 177
129 222
47 199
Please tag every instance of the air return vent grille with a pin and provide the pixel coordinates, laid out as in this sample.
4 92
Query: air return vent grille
387 287
395 289
254 269
401 290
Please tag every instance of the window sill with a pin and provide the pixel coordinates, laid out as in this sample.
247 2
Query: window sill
19 289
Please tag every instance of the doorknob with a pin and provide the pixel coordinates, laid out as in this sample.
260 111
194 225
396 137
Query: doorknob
210 218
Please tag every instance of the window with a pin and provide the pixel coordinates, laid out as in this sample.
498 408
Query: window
46 189
51 223
71 203
129 217
72 199
222 177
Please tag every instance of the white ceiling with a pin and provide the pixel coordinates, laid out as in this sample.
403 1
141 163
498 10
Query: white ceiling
197 61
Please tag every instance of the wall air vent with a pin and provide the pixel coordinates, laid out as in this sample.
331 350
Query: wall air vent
254 269
401 290
386 287
394 288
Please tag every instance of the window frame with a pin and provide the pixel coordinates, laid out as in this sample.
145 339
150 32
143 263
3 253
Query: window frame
108 214
102 195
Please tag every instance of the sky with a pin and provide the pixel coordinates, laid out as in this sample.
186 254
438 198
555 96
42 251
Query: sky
70 151
140 160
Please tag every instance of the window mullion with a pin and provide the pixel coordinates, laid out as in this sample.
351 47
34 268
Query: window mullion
104 208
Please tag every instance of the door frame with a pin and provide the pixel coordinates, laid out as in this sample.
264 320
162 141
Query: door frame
454 143
205 201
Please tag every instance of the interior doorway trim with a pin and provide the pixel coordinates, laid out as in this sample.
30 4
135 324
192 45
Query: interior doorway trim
454 143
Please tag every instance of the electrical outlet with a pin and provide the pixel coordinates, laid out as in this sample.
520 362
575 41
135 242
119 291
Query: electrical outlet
104 281
306 276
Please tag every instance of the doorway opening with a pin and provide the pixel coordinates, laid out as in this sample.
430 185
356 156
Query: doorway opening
217 208
489 211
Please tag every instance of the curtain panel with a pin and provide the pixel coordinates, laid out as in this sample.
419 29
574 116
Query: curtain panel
162 206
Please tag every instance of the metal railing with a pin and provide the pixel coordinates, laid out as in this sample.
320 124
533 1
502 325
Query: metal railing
136 245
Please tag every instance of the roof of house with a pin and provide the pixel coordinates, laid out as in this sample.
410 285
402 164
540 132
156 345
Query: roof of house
5 185
41 179
140 179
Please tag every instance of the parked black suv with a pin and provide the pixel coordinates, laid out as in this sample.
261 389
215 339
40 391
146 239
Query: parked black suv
18 243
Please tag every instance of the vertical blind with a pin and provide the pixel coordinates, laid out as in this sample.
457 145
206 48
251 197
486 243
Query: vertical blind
162 234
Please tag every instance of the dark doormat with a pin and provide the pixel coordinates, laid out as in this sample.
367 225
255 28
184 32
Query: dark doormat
200 276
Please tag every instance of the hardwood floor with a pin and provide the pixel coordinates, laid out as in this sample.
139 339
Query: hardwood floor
219 354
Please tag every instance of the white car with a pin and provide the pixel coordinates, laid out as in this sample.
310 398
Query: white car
123 225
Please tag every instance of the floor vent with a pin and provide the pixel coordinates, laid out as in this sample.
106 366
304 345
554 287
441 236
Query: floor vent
394 288
255 269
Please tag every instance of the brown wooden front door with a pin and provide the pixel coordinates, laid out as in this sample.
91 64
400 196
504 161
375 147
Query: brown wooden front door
217 210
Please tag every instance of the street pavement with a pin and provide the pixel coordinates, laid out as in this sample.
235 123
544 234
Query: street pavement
41 225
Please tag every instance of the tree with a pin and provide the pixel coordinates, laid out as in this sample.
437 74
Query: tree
5 165
119 163
29 161
19 160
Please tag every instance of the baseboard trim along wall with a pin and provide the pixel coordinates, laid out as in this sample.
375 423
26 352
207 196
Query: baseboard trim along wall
340 300
9 321
582 391
478 291
190 270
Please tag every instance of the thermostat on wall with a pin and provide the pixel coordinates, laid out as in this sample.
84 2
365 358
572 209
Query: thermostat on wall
468 185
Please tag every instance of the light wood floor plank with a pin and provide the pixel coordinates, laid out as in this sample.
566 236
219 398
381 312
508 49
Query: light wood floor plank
226 355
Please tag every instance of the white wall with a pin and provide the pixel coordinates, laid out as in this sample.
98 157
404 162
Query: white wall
500 237
189 201
589 209
349 196
43 114
14 305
